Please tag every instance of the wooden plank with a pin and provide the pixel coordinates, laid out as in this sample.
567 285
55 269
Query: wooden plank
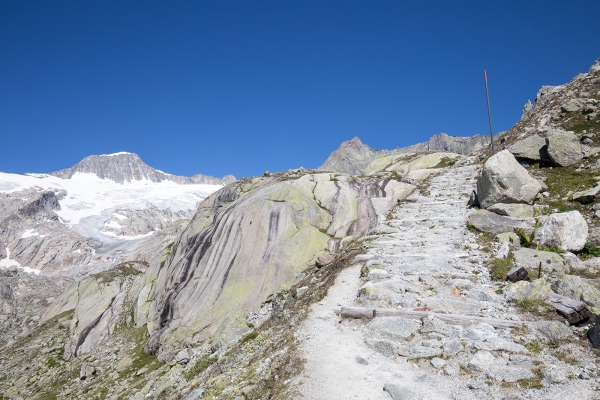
574 311
455 319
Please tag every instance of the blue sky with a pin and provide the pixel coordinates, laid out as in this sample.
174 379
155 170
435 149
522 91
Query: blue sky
241 87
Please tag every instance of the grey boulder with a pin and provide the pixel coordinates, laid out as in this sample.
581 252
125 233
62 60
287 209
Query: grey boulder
564 148
530 260
531 148
503 180
487 221
568 231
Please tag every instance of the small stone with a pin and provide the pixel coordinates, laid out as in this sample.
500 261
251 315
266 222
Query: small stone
481 360
437 362
124 364
398 392
183 357
557 376
361 361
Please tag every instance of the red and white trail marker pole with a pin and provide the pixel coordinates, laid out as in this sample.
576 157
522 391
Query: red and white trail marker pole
487 95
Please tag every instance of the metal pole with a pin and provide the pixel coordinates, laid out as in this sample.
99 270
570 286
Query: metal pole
487 95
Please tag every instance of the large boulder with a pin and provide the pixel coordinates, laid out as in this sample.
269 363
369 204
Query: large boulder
503 180
564 148
568 231
530 148
530 259
486 221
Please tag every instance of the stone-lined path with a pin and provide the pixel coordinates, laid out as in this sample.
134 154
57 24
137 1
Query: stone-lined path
423 257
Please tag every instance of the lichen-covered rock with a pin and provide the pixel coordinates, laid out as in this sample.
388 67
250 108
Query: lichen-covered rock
509 237
564 148
503 180
536 290
513 210
568 231
490 222
248 241
576 288
551 263
530 148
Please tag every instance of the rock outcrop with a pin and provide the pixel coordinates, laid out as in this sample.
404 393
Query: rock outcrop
504 180
350 158
245 242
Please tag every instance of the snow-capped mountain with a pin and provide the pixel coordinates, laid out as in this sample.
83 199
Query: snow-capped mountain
127 167
93 214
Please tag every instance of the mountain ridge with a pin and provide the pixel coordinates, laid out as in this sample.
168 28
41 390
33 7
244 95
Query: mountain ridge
125 167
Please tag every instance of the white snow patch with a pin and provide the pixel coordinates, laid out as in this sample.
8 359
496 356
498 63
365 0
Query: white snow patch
29 233
115 154
32 270
88 195
113 224
7 262
78 251
119 216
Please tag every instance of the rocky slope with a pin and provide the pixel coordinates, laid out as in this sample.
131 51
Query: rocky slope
353 156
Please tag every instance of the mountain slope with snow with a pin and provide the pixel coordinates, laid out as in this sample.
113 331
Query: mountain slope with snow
90 216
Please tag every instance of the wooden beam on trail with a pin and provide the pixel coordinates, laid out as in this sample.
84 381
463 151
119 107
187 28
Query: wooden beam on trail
574 311
454 319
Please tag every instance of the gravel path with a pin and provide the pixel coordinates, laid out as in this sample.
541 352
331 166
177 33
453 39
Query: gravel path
423 257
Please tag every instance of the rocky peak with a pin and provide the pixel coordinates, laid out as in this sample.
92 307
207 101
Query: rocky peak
352 157
126 167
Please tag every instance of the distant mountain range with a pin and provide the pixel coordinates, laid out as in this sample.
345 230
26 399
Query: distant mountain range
353 156
126 167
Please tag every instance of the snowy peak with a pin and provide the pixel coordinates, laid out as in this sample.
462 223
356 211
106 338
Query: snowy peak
127 167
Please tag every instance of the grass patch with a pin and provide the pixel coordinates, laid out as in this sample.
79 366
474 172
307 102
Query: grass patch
535 382
564 179
589 251
200 365
591 125
555 249
537 307
534 347
446 162
565 358
248 337
500 267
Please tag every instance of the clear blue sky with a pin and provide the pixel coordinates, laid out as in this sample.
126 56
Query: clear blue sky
240 87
